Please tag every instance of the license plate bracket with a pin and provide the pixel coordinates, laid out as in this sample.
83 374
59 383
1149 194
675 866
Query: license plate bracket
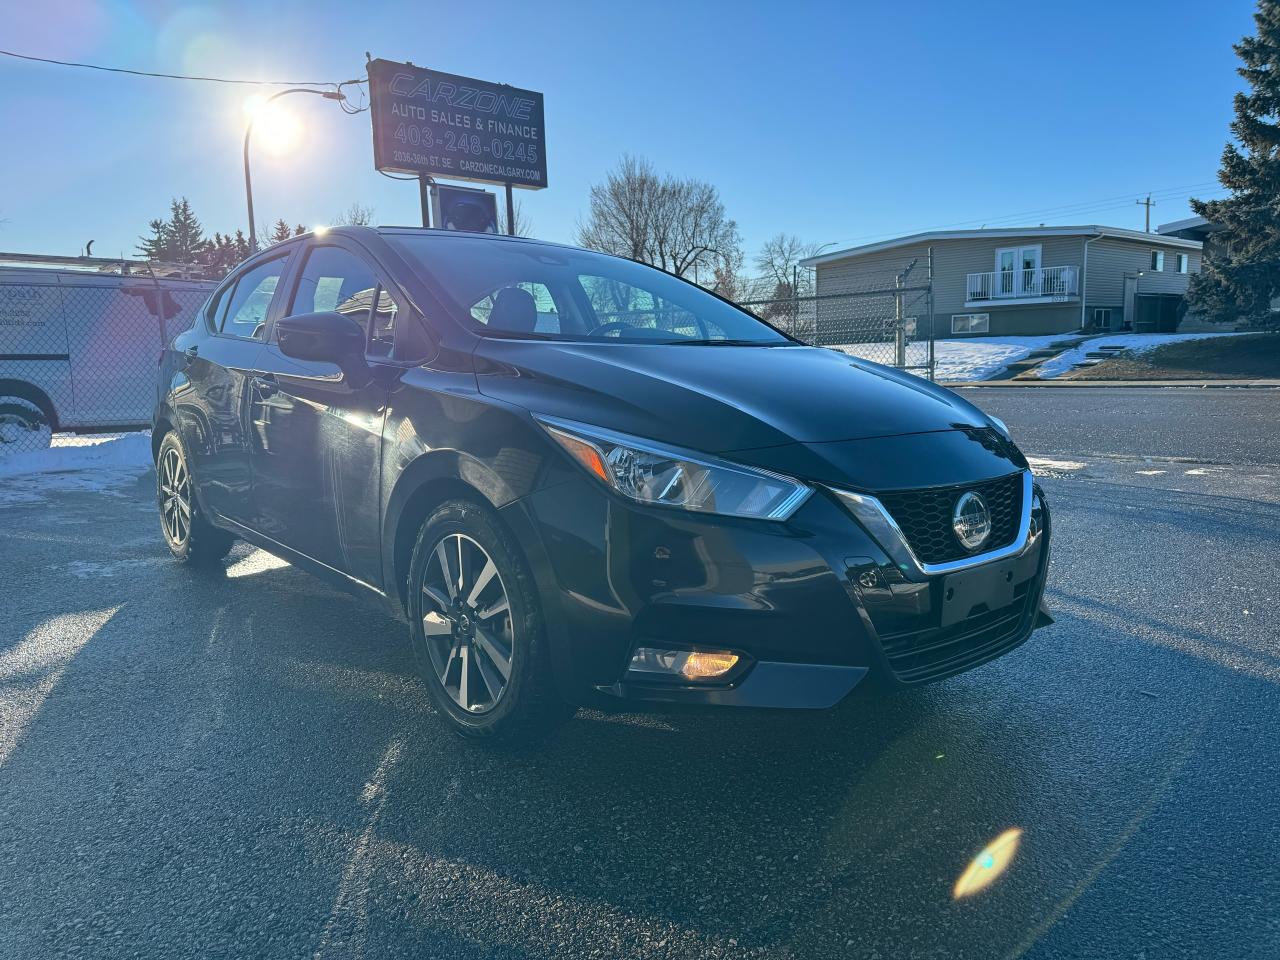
991 584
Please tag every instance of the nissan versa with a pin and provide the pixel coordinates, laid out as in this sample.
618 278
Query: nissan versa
587 482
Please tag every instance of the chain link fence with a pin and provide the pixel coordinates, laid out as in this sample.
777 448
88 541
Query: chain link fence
78 350
883 314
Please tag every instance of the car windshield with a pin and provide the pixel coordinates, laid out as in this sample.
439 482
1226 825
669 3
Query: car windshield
529 290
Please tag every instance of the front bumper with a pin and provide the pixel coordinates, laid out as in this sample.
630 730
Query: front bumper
814 604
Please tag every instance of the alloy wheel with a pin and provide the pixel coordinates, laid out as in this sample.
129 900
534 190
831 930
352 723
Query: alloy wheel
175 497
466 620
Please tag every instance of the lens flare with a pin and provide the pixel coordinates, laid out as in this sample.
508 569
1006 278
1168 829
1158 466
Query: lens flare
275 127
991 861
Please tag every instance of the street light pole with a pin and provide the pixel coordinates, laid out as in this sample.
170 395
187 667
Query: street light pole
248 133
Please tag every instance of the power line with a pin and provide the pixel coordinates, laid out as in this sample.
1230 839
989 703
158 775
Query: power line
1168 193
1081 208
176 76
1084 206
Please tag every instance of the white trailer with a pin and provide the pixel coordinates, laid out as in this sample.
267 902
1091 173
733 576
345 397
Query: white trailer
78 349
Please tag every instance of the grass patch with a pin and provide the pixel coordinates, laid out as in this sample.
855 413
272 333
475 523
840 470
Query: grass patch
1250 356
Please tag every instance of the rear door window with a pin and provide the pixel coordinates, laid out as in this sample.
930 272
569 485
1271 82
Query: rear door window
245 313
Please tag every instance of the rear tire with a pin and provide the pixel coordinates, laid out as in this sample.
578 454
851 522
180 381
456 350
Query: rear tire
477 630
190 537
24 428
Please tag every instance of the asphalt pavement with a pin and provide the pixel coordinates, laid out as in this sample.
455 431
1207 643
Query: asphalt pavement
243 763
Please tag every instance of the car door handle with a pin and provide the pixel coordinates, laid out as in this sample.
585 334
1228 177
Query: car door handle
265 386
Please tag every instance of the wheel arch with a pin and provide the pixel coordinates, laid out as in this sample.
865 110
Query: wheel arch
428 481
25 390
163 424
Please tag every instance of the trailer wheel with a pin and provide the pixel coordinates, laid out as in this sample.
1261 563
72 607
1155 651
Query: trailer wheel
23 427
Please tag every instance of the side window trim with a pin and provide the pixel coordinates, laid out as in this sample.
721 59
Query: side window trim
218 300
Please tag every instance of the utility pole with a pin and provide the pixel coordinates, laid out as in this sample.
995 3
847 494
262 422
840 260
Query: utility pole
1148 203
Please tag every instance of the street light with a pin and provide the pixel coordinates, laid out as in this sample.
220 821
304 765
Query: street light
248 132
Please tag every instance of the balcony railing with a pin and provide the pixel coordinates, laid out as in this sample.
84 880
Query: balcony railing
1044 283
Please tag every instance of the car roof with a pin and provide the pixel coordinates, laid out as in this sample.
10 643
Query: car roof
434 232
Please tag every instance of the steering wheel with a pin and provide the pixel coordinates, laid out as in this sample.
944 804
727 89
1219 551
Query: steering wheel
607 328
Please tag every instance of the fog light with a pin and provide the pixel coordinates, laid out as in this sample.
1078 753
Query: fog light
690 664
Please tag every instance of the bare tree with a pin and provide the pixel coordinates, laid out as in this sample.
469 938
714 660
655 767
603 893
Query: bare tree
779 282
524 226
727 279
678 225
356 215
778 262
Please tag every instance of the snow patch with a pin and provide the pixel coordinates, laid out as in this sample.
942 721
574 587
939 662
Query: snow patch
131 450
1133 342
961 360
72 464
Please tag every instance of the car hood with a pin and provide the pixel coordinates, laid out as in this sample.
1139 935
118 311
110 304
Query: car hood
718 398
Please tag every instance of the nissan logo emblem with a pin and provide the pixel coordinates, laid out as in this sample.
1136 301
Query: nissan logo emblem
971 521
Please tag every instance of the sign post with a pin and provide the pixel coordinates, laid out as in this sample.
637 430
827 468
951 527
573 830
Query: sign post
424 197
439 125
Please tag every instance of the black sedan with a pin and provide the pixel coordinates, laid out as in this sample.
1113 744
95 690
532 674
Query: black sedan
587 482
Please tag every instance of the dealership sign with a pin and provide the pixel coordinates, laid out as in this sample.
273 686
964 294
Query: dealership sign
434 124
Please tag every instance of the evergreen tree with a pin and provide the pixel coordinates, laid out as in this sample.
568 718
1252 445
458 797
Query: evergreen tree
299 230
219 256
280 231
1241 278
185 235
180 239
240 244
155 246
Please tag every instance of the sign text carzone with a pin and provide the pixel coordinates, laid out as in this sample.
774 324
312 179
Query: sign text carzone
440 125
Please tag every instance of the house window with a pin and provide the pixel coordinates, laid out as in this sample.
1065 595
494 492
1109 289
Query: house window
1182 263
1102 318
1157 260
971 323
1018 272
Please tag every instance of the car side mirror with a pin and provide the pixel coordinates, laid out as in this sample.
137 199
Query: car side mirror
329 337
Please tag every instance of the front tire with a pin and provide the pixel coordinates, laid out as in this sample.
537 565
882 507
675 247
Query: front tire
477 629
190 537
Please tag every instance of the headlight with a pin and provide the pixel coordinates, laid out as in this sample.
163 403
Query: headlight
651 473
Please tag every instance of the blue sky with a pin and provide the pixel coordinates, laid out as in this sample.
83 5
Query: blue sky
838 122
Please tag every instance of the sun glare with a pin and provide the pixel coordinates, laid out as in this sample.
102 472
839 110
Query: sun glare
991 861
275 128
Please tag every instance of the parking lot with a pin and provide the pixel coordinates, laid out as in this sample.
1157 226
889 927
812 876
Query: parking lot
243 764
